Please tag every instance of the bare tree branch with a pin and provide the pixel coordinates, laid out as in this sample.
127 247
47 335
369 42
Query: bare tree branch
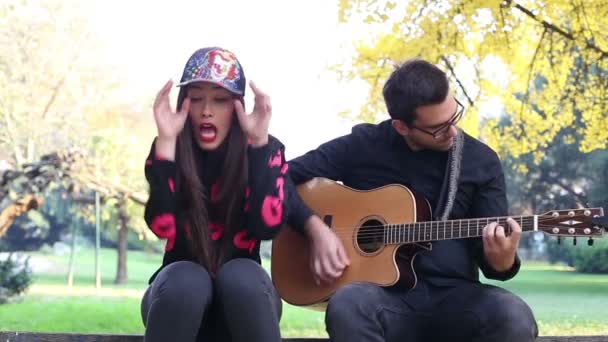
554 28
13 140
59 85
111 189
582 198
504 24
530 73
451 68
582 6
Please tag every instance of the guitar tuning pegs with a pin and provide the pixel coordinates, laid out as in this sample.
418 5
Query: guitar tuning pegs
574 240
590 242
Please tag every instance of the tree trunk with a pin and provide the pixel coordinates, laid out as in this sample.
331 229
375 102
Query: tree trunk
123 232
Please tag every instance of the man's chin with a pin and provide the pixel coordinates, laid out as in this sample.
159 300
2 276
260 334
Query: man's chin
446 146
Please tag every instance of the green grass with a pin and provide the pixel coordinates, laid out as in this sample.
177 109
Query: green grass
140 267
72 314
564 302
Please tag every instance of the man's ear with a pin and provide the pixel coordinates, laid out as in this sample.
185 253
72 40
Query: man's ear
401 127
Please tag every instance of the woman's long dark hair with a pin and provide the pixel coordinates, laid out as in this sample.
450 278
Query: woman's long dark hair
194 204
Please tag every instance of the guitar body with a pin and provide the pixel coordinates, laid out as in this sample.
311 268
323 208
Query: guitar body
352 214
380 231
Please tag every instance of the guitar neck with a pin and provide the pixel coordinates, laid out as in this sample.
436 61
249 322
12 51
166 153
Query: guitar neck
448 230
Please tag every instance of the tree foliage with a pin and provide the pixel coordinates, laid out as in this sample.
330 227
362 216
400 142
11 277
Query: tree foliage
59 93
542 60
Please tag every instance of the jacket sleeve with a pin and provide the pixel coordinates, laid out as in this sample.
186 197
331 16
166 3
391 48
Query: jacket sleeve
330 160
160 210
491 201
266 194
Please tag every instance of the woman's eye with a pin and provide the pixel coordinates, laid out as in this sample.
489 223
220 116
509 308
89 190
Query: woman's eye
195 99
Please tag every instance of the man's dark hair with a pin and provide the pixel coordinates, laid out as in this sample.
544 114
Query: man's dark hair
414 84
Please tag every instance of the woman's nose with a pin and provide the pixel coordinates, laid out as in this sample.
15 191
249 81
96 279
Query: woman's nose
206 113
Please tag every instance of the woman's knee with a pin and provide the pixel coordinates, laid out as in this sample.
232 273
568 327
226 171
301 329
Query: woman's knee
240 276
244 281
182 282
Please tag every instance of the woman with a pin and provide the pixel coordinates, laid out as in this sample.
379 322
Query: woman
216 190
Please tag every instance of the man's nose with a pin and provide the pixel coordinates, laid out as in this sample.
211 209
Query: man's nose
453 131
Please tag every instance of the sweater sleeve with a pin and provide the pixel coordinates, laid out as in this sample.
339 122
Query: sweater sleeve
266 195
160 210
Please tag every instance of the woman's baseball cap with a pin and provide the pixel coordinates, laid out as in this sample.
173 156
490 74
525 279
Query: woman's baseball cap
215 65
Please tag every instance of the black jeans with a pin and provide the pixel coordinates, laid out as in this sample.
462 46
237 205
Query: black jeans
184 303
469 312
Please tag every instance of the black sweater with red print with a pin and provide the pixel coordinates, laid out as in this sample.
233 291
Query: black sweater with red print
264 209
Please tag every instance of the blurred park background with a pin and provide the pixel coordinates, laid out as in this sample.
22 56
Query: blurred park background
77 79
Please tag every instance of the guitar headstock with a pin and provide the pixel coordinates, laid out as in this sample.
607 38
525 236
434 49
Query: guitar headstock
584 222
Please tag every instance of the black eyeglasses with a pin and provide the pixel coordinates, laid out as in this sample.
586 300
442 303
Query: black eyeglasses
443 130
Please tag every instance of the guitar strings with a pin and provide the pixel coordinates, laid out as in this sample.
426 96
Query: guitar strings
436 224
421 225
421 237
417 231
397 232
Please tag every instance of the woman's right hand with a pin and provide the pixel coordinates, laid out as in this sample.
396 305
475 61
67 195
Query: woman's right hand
169 122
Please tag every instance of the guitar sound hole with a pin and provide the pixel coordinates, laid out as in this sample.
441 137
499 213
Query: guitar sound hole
370 237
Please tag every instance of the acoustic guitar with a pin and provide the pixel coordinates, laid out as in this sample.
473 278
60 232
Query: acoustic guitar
382 231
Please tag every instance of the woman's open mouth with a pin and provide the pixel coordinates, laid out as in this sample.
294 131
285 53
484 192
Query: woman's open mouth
207 132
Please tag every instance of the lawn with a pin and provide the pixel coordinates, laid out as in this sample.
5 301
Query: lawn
564 302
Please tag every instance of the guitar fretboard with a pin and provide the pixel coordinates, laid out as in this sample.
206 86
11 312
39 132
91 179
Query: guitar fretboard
448 230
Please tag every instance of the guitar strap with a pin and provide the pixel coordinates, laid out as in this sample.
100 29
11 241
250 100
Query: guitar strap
449 187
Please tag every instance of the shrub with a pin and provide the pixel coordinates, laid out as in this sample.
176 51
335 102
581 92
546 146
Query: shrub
15 277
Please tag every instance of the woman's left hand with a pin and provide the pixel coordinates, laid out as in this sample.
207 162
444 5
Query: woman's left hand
255 124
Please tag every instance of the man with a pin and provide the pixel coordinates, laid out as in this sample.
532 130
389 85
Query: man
420 147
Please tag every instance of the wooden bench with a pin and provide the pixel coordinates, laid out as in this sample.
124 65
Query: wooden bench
58 337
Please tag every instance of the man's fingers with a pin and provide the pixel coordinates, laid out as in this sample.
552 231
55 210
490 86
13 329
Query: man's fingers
316 270
342 256
488 233
329 272
515 231
322 271
500 233
335 260
515 227
317 279
338 267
